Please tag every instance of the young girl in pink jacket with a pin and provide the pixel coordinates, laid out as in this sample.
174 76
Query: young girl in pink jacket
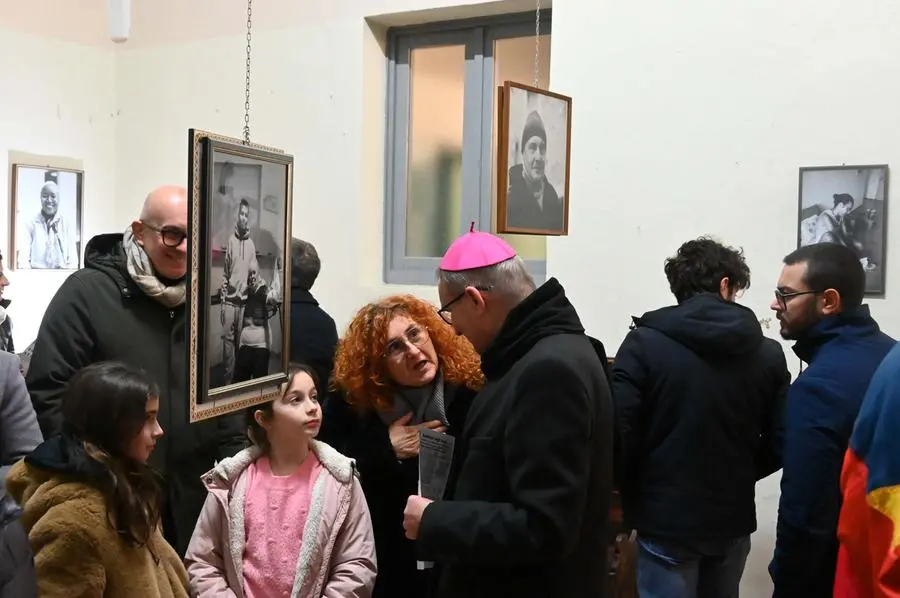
286 517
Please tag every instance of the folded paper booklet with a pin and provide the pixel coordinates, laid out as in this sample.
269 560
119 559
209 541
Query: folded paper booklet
435 459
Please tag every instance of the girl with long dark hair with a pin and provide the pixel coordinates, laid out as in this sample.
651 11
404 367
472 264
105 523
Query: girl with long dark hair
91 504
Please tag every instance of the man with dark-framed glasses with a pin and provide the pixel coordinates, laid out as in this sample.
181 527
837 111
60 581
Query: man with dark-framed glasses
819 304
128 304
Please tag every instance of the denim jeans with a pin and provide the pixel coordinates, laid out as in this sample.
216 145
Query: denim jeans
691 569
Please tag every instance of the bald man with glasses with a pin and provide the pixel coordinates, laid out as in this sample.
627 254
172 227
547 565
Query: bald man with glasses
128 304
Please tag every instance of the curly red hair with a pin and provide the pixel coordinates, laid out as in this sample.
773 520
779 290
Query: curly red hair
359 368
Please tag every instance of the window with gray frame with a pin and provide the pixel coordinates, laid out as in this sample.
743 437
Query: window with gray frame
441 136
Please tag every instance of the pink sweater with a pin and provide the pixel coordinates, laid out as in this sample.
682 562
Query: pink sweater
275 514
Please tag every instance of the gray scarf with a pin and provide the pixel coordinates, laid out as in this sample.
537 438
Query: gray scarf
141 271
426 404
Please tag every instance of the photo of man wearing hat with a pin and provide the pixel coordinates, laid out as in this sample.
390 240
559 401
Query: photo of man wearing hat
50 241
532 202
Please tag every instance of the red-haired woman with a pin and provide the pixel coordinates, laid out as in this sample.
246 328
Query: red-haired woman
399 367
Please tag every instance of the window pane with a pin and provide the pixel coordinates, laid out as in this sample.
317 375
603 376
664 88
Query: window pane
514 61
434 163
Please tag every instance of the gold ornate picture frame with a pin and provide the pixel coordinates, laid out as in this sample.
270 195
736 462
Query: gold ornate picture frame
239 277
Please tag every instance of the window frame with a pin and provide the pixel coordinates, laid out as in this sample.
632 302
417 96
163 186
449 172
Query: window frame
479 105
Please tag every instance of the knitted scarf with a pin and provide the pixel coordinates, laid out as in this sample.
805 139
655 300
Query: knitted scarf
429 407
141 271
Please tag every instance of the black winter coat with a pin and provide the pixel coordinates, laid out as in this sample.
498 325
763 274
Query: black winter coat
314 336
529 517
699 394
17 575
387 483
98 314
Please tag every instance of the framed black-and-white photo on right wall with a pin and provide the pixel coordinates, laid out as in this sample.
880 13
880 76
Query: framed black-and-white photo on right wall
847 205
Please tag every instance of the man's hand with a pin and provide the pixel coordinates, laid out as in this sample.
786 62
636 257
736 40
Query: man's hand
412 516
405 439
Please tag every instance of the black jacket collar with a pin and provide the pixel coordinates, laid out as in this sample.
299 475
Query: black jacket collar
546 312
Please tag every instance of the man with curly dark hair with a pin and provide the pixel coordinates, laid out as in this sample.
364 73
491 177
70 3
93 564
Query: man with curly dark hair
698 392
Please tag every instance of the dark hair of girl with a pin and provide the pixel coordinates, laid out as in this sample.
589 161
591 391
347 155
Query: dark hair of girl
104 408
256 432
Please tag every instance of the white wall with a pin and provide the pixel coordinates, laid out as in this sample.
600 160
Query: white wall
689 118
318 92
692 118
57 98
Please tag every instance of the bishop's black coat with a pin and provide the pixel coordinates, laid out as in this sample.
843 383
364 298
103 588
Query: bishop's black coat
529 517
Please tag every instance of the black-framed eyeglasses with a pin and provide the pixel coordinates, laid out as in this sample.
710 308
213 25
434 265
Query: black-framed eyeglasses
413 337
172 236
447 314
782 297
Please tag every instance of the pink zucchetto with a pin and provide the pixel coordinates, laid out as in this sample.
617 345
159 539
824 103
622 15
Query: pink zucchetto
476 249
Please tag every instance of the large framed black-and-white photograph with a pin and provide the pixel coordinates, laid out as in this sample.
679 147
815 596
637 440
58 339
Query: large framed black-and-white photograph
239 287
534 146
46 206
848 205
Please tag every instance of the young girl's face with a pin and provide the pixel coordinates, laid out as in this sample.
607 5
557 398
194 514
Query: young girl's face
297 411
143 444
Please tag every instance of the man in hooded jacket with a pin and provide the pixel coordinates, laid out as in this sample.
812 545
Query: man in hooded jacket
819 304
128 304
698 393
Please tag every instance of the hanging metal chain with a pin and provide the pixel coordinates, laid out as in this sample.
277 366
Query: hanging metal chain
537 43
247 88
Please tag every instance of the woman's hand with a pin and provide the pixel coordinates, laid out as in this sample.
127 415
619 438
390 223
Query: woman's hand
405 439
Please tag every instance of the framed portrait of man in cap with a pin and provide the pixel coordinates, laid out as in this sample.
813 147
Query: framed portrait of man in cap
533 160
46 206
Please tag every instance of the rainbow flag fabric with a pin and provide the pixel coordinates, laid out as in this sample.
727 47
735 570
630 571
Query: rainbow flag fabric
869 527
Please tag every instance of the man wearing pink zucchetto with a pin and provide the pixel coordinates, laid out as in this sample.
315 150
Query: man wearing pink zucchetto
528 516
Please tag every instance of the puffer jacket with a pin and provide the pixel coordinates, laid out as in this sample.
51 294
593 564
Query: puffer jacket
337 554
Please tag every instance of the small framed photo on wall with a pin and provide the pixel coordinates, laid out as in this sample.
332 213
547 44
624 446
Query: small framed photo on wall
46 206
533 160
847 205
